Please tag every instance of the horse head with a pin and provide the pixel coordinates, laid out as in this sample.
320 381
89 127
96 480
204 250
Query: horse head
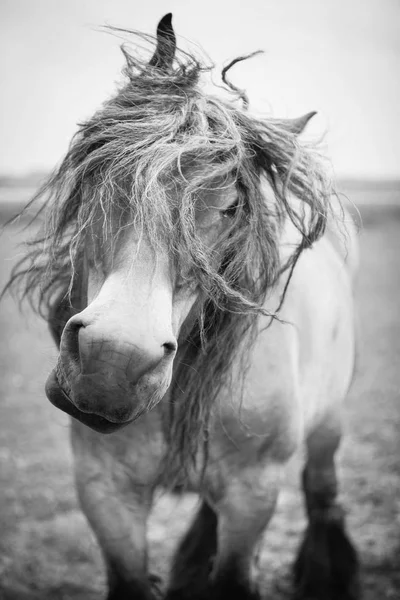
164 230
117 353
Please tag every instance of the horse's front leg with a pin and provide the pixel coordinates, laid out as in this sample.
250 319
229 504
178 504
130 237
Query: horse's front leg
244 512
215 560
117 507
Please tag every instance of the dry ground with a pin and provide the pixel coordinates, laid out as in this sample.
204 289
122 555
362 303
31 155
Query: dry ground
46 549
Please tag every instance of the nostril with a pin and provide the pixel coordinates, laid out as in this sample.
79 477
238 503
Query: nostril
72 339
169 348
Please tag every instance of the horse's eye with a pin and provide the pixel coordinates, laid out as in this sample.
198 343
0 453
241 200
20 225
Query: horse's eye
230 212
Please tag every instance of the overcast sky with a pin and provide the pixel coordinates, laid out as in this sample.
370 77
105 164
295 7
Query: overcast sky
340 57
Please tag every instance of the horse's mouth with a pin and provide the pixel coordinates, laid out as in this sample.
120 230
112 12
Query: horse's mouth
60 399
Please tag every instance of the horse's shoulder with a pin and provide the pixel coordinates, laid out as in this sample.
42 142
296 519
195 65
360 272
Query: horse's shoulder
316 304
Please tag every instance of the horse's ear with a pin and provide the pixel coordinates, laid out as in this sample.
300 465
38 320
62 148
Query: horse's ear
297 125
166 45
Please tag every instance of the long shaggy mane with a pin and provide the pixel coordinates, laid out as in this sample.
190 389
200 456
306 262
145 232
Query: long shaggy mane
144 157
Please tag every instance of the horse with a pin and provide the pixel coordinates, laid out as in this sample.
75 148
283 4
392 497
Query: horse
196 274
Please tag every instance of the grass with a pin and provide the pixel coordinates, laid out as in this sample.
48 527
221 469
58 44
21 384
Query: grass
46 548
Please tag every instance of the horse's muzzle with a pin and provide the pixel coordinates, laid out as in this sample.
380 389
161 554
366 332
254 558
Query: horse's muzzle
59 398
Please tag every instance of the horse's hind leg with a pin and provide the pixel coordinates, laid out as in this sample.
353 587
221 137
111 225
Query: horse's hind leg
193 559
326 567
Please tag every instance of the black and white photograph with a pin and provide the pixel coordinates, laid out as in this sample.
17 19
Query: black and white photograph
200 300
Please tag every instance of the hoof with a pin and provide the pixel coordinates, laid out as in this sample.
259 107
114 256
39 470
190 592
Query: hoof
226 591
327 566
234 591
135 591
156 584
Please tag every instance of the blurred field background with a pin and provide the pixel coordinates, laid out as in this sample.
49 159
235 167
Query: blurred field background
47 551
